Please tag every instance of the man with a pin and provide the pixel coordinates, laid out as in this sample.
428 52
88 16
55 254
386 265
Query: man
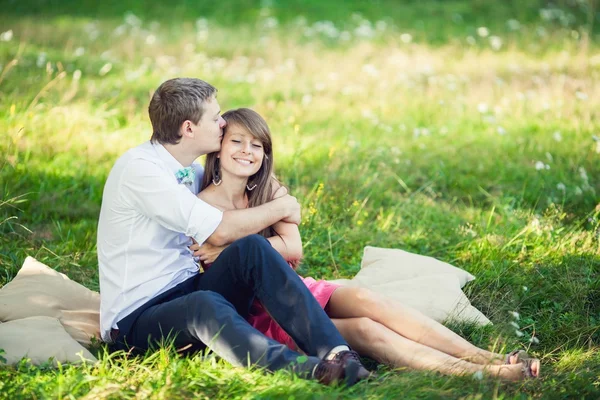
150 285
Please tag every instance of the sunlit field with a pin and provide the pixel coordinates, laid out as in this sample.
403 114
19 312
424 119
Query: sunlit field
464 130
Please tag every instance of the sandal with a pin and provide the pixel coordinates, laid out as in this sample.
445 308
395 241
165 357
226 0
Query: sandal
526 368
520 355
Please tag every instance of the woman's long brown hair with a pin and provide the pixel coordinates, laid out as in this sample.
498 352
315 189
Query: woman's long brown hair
252 122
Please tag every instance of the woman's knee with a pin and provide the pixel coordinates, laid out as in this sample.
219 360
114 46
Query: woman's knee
368 331
367 298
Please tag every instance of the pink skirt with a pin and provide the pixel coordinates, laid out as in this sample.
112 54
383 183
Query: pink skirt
262 321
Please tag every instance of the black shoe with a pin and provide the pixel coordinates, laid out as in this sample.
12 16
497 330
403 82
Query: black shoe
330 372
348 356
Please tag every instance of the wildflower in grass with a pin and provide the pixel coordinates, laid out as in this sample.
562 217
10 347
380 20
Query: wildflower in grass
483 31
300 21
41 60
478 375
371 70
557 136
119 30
541 31
380 25
326 28
364 30
534 340
406 38
540 165
79 52
132 20
513 24
270 23
515 315
201 24
519 333
105 69
583 174
6 36
525 288
561 186
495 42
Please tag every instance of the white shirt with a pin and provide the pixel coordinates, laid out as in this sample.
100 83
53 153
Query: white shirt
146 221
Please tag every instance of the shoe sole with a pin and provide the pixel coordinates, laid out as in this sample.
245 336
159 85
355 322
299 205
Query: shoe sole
351 373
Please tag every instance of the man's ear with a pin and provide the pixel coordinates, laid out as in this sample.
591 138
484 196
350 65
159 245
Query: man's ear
186 129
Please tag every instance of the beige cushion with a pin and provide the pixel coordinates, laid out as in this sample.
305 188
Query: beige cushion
380 265
424 283
38 290
40 339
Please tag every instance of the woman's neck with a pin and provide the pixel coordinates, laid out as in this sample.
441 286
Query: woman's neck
232 191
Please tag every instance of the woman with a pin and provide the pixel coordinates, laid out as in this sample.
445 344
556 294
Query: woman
241 175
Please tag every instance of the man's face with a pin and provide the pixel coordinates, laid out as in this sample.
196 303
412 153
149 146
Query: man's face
208 133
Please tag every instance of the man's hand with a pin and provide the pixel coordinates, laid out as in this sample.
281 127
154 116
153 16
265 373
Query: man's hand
207 253
292 207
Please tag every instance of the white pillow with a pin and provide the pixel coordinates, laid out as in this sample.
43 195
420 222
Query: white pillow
38 290
380 265
40 339
424 283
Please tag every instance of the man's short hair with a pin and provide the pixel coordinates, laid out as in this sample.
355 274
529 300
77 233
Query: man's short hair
174 102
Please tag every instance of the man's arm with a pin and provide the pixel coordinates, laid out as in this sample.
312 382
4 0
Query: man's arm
145 187
239 223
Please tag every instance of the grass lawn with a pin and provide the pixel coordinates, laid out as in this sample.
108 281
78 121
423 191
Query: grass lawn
464 130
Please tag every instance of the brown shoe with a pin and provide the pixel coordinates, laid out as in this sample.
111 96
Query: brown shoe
348 356
330 372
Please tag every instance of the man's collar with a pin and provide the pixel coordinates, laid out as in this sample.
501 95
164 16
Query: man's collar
167 158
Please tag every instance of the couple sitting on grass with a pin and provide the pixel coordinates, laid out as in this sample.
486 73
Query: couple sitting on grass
245 302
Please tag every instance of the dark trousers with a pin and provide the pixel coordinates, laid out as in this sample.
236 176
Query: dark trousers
210 310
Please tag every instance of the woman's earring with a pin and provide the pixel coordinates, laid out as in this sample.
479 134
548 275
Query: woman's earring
216 179
250 188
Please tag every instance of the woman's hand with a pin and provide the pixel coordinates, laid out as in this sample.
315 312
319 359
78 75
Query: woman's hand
207 253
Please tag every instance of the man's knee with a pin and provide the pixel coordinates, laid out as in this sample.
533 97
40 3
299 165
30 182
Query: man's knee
203 302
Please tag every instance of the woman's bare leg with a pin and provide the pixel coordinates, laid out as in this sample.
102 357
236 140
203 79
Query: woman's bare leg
374 340
349 302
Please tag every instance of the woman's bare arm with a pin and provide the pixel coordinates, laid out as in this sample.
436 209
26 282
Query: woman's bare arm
287 242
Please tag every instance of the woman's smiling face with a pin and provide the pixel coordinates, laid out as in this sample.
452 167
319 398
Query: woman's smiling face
241 153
